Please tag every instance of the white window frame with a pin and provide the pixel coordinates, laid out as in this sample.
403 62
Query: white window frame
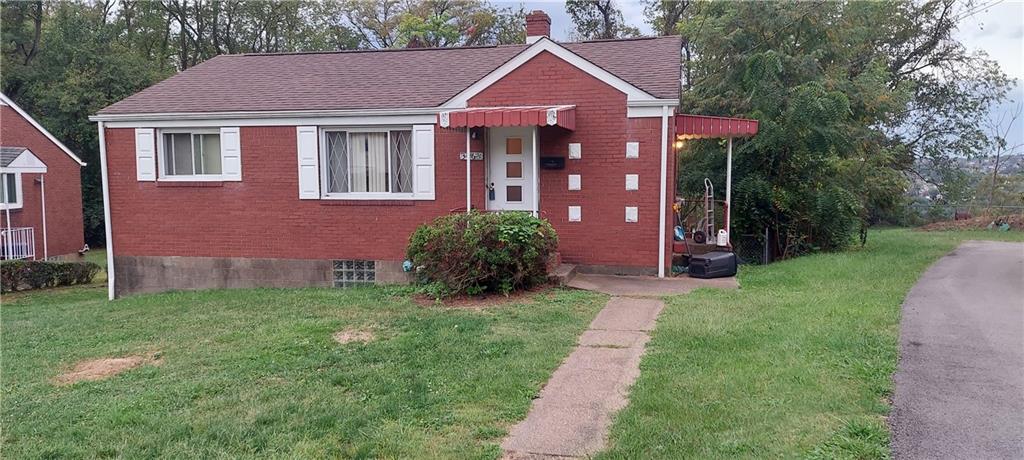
161 159
20 202
325 195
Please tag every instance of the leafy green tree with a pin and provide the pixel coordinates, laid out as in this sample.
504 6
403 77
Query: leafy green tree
598 19
853 97
434 23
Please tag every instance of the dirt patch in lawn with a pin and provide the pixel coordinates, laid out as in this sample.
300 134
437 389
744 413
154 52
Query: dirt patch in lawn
354 335
480 302
99 369
1015 222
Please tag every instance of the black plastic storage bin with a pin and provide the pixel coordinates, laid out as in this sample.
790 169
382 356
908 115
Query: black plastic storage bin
715 264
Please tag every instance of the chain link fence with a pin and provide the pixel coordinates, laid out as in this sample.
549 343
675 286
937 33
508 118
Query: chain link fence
752 249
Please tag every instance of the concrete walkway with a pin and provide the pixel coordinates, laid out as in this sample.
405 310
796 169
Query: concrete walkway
573 413
572 416
960 381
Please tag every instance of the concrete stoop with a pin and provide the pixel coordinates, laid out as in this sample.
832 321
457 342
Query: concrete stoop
563 274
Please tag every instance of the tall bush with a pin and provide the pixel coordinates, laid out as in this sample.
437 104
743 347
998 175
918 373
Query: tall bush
474 253
38 274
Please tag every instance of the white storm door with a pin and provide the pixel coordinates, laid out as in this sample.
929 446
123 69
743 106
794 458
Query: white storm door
510 159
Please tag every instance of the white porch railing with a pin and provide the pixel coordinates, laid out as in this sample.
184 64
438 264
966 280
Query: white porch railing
17 243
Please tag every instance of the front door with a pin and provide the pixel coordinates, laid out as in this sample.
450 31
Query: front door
510 169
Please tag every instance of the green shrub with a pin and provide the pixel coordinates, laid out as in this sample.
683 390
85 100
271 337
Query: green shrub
479 252
38 274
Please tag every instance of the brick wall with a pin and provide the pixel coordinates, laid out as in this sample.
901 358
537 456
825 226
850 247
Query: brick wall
262 217
602 237
65 235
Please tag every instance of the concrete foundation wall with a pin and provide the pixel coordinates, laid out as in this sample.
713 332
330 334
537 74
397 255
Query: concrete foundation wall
142 274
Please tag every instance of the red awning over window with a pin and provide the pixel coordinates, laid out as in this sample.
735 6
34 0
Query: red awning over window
558 115
705 127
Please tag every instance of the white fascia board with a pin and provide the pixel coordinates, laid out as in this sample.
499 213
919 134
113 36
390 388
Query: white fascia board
545 44
213 121
7 101
259 115
651 111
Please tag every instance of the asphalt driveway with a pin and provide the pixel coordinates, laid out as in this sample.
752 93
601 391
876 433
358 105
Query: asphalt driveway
960 381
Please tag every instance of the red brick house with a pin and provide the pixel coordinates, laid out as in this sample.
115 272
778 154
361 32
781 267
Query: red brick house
40 190
301 169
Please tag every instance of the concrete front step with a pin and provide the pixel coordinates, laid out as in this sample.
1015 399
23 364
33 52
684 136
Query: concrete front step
563 274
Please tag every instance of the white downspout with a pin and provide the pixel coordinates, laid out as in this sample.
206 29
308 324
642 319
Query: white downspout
536 175
728 192
106 212
42 194
469 182
664 184
8 247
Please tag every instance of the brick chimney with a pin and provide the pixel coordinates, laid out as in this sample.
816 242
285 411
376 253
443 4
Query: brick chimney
538 24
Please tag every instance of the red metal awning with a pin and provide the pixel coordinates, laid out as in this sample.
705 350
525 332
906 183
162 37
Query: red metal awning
705 127
551 115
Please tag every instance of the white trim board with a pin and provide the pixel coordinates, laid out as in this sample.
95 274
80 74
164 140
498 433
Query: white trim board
213 121
545 44
263 114
7 101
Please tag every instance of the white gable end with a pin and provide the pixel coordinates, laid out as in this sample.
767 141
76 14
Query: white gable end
26 162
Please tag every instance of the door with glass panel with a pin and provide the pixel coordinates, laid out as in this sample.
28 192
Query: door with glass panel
510 169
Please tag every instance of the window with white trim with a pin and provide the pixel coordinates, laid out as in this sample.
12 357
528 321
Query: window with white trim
190 154
10 191
365 161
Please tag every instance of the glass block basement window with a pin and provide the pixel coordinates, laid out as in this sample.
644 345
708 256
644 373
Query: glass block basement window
348 273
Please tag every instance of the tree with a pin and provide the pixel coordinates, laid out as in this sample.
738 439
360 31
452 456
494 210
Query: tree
598 19
434 23
852 98
999 129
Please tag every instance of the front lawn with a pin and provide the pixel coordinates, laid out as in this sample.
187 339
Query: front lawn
256 373
797 363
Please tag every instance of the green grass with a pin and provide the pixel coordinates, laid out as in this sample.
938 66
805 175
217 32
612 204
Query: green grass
797 363
255 373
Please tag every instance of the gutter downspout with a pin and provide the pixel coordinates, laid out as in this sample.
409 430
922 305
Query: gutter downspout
106 211
469 182
42 194
664 185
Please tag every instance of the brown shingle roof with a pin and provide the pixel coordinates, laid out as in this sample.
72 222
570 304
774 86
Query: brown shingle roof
400 78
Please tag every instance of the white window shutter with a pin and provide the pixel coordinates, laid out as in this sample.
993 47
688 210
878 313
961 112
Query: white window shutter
145 154
309 163
231 154
423 161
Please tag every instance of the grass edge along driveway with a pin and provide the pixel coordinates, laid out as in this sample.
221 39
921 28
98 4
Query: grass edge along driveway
256 373
797 363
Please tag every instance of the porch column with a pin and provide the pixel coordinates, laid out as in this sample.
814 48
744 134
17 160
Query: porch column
536 177
728 192
469 181
662 208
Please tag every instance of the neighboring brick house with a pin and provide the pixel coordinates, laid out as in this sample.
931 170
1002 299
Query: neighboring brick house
323 164
40 190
